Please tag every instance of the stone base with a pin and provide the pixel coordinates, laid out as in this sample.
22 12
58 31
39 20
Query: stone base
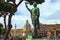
36 37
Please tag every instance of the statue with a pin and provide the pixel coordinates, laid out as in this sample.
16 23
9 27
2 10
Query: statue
34 16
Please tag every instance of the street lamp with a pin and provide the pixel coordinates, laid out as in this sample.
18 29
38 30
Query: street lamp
55 31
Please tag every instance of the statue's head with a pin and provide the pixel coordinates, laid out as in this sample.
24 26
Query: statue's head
35 4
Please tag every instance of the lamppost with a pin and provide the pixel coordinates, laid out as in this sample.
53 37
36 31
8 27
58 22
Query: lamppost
55 31
15 31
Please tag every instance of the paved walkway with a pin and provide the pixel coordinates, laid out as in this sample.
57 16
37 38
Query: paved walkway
42 39
38 39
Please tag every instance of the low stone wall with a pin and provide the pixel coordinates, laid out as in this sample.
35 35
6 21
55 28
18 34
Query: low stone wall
43 39
34 39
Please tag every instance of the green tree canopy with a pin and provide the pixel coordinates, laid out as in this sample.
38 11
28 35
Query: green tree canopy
1 25
2 1
37 1
2 30
5 6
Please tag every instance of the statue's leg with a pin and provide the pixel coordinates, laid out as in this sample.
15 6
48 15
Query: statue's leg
35 29
37 24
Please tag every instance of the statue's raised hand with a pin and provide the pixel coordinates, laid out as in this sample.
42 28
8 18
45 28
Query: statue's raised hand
26 2
27 6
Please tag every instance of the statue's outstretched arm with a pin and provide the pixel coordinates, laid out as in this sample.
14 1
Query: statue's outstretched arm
27 7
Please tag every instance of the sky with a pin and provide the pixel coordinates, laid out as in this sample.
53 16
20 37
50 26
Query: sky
49 14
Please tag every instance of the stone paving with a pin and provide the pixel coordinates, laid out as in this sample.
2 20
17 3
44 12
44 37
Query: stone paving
36 39
43 39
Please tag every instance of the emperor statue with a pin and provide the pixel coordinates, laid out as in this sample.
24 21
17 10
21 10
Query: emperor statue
35 13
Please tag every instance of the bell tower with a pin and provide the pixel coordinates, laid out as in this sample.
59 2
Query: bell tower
27 29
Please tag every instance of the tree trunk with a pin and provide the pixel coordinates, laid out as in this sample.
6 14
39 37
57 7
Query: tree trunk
9 20
9 27
5 22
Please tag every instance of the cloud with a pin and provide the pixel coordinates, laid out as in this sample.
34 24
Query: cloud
53 1
49 12
47 8
55 15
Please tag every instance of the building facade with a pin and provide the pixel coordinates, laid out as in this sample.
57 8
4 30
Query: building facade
44 29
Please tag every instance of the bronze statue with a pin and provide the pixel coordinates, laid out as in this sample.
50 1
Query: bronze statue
35 13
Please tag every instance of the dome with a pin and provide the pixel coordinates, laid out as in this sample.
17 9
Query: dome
27 26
